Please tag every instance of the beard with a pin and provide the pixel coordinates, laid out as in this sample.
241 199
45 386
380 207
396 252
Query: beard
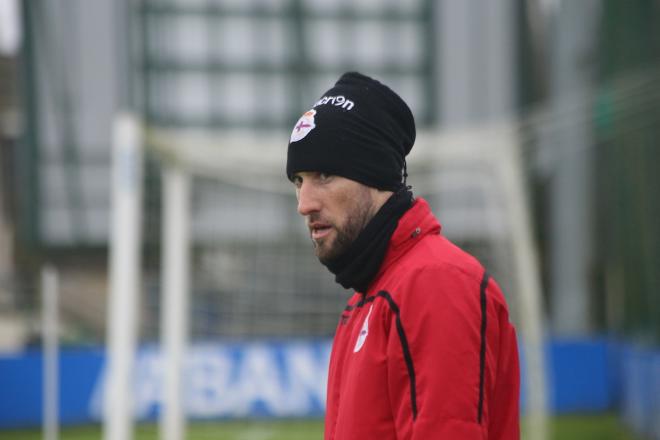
328 249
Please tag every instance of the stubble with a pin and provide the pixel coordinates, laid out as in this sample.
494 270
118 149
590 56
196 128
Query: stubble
345 235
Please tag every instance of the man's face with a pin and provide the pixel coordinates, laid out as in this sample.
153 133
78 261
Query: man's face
336 210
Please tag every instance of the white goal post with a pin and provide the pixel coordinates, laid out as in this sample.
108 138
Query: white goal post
256 161
125 273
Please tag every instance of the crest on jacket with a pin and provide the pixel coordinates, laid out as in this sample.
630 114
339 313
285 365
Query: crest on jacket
364 331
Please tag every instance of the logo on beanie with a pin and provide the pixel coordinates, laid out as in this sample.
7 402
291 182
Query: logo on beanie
304 125
337 101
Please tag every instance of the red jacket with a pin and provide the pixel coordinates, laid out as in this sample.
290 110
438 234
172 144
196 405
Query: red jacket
428 352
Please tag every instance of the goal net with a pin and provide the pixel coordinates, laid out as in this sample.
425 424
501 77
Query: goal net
254 272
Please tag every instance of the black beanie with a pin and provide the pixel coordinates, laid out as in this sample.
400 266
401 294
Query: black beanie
360 129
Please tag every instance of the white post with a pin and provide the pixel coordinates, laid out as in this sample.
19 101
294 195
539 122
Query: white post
571 189
528 285
123 299
175 285
50 339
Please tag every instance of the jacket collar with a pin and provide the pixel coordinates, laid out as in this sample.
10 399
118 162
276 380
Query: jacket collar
416 223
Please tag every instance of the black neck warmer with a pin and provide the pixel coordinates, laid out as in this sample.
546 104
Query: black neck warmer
358 265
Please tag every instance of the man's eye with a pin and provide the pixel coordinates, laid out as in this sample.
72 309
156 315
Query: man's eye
297 181
324 176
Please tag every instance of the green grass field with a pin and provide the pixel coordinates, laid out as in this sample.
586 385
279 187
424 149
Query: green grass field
598 427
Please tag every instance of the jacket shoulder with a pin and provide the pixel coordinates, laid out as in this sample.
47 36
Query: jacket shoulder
436 269
436 254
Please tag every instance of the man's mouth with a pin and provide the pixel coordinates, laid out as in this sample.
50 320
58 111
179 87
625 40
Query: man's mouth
319 230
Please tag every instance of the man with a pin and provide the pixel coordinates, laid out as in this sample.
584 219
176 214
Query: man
424 349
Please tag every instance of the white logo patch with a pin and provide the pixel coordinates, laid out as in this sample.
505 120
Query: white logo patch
362 337
304 125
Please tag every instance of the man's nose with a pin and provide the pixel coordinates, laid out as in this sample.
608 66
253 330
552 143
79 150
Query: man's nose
308 201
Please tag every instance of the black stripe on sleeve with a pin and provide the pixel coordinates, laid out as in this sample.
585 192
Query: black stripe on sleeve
482 355
406 350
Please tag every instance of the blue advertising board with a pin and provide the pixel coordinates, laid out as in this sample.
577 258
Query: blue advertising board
288 379
221 380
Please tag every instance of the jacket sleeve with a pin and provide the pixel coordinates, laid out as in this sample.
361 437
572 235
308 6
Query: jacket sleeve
435 381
